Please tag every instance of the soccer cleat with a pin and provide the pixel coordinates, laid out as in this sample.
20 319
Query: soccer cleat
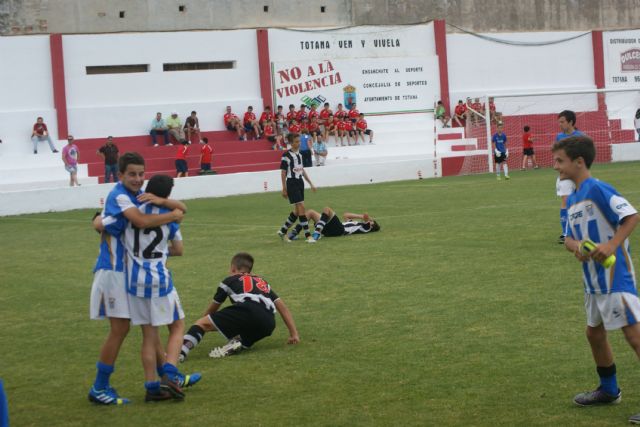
499 179
281 234
634 419
561 239
108 396
234 346
189 379
35 151
54 151
171 386
311 240
597 397
292 236
316 236
157 396
182 357
507 177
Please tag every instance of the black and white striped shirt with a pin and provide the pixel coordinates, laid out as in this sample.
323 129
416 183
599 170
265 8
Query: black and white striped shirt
354 227
292 163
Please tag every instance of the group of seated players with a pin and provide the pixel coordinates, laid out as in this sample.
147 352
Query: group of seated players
472 112
348 127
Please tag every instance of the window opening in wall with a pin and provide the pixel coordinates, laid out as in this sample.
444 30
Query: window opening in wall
266 8
182 8
117 69
196 66
323 9
122 14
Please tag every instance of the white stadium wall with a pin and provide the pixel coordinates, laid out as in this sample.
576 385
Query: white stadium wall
383 69
125 104
25 91
479 67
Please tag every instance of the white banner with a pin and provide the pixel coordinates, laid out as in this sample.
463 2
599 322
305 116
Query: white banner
622 58
377 85
353 42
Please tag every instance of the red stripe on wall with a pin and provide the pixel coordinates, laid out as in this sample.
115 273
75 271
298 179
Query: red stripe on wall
598 66
264 67
440 33
59 94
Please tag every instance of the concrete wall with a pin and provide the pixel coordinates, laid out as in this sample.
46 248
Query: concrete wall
98 16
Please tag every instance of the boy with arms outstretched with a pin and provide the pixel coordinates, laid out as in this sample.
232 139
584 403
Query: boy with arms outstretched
328 224
250 317
292 174
598 213
108 292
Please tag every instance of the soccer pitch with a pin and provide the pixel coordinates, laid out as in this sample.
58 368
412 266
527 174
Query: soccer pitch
462 310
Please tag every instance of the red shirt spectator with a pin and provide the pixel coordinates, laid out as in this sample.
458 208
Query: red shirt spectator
527 140
40 129
181 154
205 152
268 130
354 113
294 128
292 115
348 125
248 117
340 125
330 124
228 117
313 127
266 116
477 106
340 113
313 113
361 124
460 109
301 115
324 114
304 127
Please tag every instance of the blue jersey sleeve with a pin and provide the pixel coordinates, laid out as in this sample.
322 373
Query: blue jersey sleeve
613 205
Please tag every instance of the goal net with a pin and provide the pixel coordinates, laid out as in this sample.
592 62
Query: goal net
605 116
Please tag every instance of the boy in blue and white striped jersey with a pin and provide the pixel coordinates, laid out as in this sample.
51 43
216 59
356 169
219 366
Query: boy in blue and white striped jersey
598 213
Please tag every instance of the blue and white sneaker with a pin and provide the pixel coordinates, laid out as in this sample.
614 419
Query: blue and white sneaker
597 397
292 237
188 380
316 236
108 396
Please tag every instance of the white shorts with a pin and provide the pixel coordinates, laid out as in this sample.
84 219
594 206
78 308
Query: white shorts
565 187
615 310
108 295
156 311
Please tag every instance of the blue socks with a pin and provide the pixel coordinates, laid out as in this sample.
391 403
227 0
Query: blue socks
152 386
170 370
608 381
4 407
102 377
563 220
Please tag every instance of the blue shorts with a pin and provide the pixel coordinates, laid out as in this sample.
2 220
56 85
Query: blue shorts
181 165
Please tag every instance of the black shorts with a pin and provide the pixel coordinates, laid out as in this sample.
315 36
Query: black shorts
500 159
295 190
315 132
181 165
205 166
366 131
251 320
333 228
230 127
527 151
271 138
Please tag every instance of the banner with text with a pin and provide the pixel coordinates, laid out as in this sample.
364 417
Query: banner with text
377 85
622 58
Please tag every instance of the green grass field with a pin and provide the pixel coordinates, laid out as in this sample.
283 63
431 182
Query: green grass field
462 310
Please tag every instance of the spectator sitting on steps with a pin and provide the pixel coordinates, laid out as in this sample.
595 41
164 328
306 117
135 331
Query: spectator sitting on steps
41 133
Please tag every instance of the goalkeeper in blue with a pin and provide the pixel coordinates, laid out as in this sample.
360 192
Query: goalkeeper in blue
598 213
500 152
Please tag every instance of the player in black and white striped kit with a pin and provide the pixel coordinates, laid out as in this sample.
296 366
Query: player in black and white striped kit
292 173
328 224
249 318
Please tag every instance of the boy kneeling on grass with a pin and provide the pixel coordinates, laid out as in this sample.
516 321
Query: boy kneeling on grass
251 316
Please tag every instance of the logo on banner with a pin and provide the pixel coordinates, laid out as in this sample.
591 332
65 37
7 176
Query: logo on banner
349 96
630 60
317 101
